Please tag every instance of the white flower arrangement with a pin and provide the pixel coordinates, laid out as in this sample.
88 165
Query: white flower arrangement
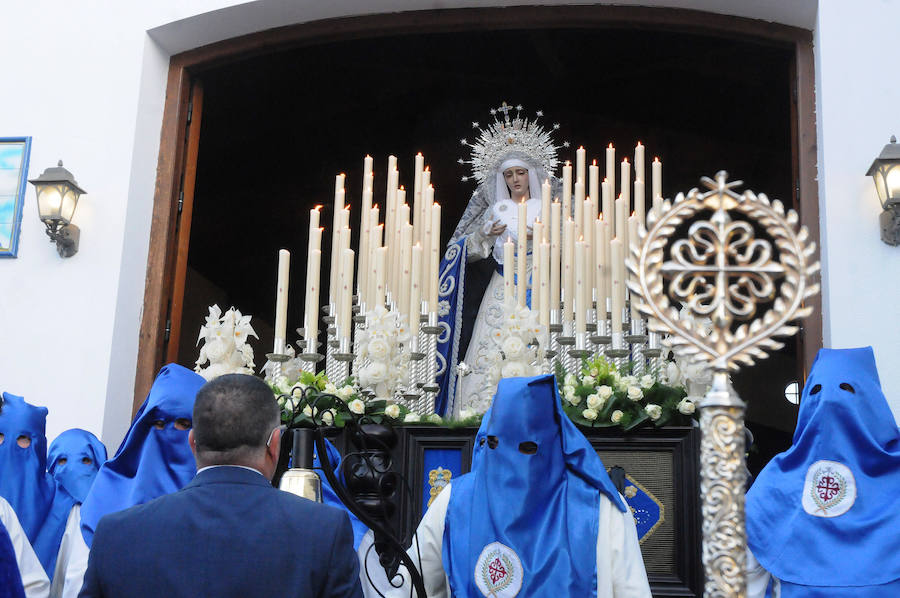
381 348
225 344
517 343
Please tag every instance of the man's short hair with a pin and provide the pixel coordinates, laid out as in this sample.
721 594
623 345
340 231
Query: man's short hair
233 417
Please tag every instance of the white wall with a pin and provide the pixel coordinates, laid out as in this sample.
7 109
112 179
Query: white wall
858 107
89 86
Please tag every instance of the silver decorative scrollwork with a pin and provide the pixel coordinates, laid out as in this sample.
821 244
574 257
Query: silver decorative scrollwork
722 270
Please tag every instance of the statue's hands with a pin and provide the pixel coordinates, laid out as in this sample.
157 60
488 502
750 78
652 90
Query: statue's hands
497 228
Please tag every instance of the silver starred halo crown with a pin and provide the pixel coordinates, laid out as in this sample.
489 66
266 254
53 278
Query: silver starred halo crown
510 136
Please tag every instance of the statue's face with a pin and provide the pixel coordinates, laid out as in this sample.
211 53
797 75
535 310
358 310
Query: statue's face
517 181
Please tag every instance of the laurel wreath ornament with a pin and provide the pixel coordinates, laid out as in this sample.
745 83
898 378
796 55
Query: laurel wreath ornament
723 271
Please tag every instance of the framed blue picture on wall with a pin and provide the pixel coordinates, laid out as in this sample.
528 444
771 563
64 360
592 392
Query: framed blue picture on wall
14 152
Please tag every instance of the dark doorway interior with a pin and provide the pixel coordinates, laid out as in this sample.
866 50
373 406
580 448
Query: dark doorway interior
277 128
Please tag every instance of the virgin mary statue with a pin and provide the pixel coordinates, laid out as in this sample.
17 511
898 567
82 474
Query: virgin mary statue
510 160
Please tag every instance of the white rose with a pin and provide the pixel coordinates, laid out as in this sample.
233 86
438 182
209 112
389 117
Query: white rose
616 416
594 402
392 411
434 418
604 392
686 406
513 347
588 381
345 392
594 372
654 411
373 373
307 411
635 393
328 417
514 369
379 349
646 381
280 401
357 406
589 414
574 399
411 417
627 381
569 380
568 391
330 388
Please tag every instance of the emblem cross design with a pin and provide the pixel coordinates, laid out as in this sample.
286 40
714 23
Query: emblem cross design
496 570
828 487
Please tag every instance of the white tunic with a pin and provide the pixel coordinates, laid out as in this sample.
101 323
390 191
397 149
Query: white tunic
34 579
72 559
620 568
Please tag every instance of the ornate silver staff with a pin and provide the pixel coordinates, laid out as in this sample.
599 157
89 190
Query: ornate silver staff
723 271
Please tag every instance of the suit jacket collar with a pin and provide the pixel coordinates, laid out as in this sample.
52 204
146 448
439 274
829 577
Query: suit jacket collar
227 474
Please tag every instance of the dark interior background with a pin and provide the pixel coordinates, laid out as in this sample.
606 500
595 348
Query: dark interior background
277 128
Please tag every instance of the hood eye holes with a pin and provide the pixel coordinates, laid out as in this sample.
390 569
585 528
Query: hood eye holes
182 423
2 437
847 387
815 389
481 441
528 448
492 442
159 424
23 441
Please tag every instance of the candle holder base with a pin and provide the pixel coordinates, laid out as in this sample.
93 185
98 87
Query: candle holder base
617 353
591 326
328 319
311 357
416 356
549 353
359 318
601 339
635 338
344 356
410 396
579 353
431 329
556 328
566 341
278 357
430 387
652 353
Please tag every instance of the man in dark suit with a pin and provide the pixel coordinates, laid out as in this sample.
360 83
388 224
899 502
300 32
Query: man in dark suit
229 532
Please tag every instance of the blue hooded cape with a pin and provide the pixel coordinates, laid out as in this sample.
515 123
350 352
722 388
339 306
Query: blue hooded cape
843 541
330 497
74 459
41 506
150 462
543 507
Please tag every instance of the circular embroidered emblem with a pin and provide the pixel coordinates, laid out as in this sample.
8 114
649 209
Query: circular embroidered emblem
829 489
498 571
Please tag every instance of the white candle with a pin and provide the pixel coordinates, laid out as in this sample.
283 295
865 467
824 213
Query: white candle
346 293
568 269
567 190
521 252
580 156
281 297
608 211
544 285
406 234
418 198
639 209
433 273
626 184
611 169
380 272
621 230
639 162
415 288
545 206
633 241
335 227
425 231
536 234
617 285
578 206
656 182
509 261
372 297
600 272
311 318
594 181
589 244
580 307
554 255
